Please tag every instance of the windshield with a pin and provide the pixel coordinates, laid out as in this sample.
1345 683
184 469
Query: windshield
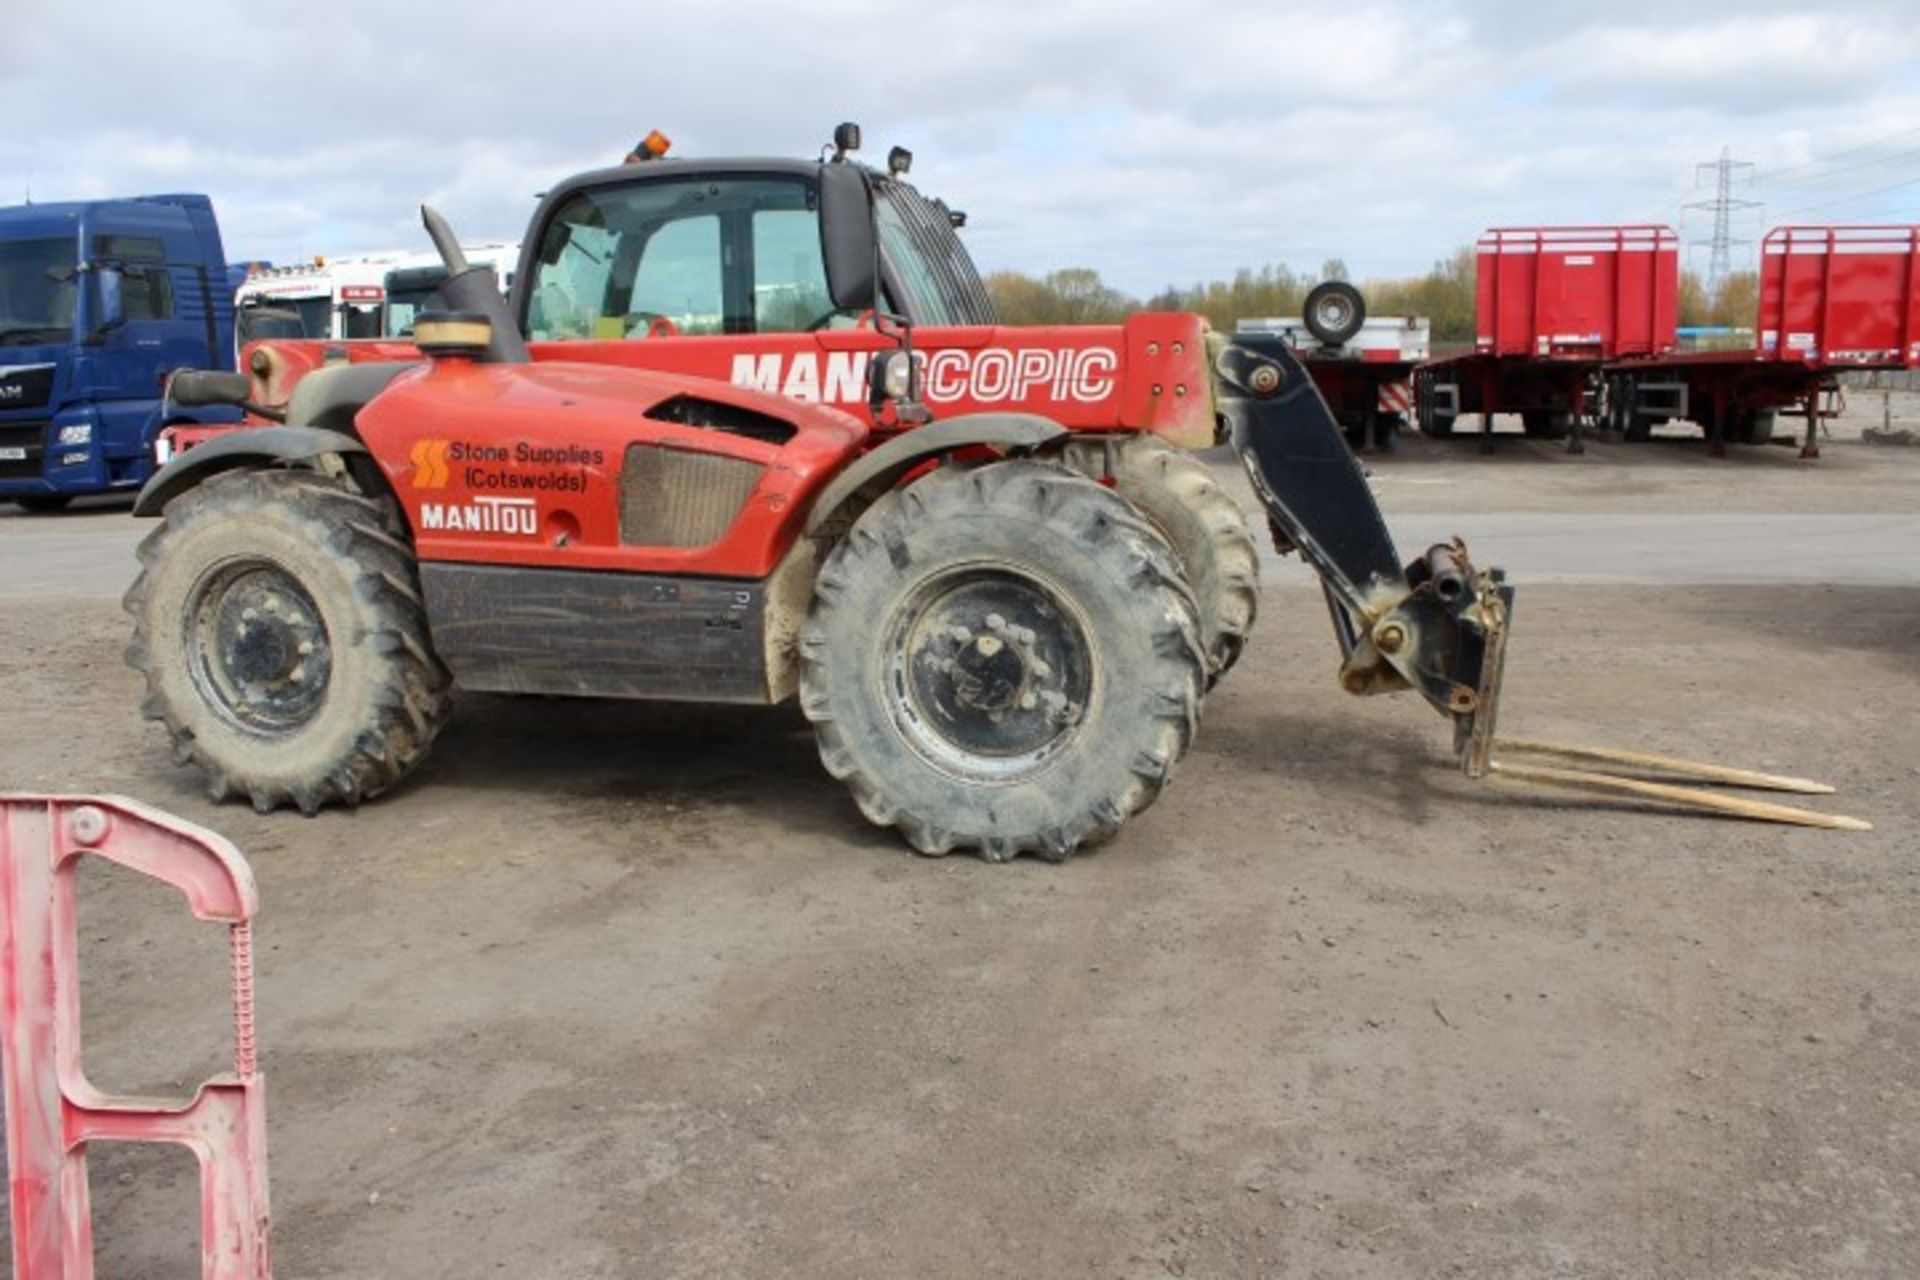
695 255
37 290
403 304
928 260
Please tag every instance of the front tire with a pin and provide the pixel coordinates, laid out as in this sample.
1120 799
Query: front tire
1208 533
279 624
1003 659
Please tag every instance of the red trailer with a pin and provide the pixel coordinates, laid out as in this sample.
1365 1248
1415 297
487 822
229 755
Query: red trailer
1831 299
1553 305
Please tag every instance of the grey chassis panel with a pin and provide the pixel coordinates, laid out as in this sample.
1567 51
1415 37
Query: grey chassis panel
245 446
508 629
880 469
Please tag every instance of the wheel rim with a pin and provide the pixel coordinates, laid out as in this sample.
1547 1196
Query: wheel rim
989 673
1334 311
258 647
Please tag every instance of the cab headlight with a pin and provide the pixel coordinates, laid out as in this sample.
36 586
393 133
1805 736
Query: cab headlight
78 433
893 375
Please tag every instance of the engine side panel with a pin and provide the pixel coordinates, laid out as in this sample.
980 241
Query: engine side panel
526 465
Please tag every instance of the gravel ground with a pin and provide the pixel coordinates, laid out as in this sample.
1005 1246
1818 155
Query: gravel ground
629 990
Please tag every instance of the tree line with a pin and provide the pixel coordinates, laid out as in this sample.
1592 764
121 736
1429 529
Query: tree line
1445 295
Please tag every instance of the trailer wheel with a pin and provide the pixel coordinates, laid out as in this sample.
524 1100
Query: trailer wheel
1334 312
1635 426
1209 535
1005 659
1757 426
1435 424
1547 424
279 624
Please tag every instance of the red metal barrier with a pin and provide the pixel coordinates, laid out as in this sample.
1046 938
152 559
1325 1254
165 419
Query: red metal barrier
53 1111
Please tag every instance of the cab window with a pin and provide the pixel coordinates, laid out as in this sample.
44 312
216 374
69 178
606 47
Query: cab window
705 255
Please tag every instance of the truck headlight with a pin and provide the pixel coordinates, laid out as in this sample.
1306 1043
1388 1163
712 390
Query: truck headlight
78 433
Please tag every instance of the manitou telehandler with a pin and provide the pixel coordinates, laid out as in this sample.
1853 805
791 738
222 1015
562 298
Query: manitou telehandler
1001 619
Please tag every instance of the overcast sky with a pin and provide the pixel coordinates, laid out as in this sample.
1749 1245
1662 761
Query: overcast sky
1159 142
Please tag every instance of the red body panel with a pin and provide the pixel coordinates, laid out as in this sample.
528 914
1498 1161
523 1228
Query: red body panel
1594 293
520 464
1844 296
1147 374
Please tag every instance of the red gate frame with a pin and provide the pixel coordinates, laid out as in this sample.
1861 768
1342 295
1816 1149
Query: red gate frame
53 1111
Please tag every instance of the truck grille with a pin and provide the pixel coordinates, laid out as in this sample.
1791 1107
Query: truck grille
25 386
31 436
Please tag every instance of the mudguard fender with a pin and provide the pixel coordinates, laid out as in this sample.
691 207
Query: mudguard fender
876 472
245 447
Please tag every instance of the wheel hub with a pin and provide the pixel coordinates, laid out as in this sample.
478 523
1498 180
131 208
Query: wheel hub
259 647
993 674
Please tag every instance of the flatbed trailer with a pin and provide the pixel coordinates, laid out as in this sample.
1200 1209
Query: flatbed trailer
1832 300
1367 381
1552 306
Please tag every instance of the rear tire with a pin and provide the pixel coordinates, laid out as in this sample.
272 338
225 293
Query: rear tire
280 627
1003 659
1209 535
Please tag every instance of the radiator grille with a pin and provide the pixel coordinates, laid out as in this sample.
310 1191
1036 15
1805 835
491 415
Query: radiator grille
669 498
31 437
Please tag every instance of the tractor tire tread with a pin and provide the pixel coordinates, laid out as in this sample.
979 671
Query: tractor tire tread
412 698
1154 599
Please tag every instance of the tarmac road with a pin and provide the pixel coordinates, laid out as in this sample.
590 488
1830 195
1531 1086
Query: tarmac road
88 553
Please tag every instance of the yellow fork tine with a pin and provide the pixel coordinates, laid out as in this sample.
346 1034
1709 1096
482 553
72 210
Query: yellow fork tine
1685 797
1670 764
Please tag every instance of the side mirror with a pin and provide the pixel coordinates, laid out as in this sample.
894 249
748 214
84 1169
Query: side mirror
113 299
847 238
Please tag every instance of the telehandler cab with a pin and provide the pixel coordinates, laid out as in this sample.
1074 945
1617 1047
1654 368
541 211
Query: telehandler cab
1000 624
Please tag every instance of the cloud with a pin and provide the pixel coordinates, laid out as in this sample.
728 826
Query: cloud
1157 143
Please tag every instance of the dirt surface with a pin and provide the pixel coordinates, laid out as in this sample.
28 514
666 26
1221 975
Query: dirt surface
624 990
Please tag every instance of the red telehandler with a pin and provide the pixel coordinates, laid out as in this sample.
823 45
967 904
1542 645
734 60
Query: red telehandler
1001 617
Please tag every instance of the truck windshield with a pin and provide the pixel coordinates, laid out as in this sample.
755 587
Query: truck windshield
928 260
37 290
404 304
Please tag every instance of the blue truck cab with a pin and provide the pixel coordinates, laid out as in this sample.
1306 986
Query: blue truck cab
100 301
